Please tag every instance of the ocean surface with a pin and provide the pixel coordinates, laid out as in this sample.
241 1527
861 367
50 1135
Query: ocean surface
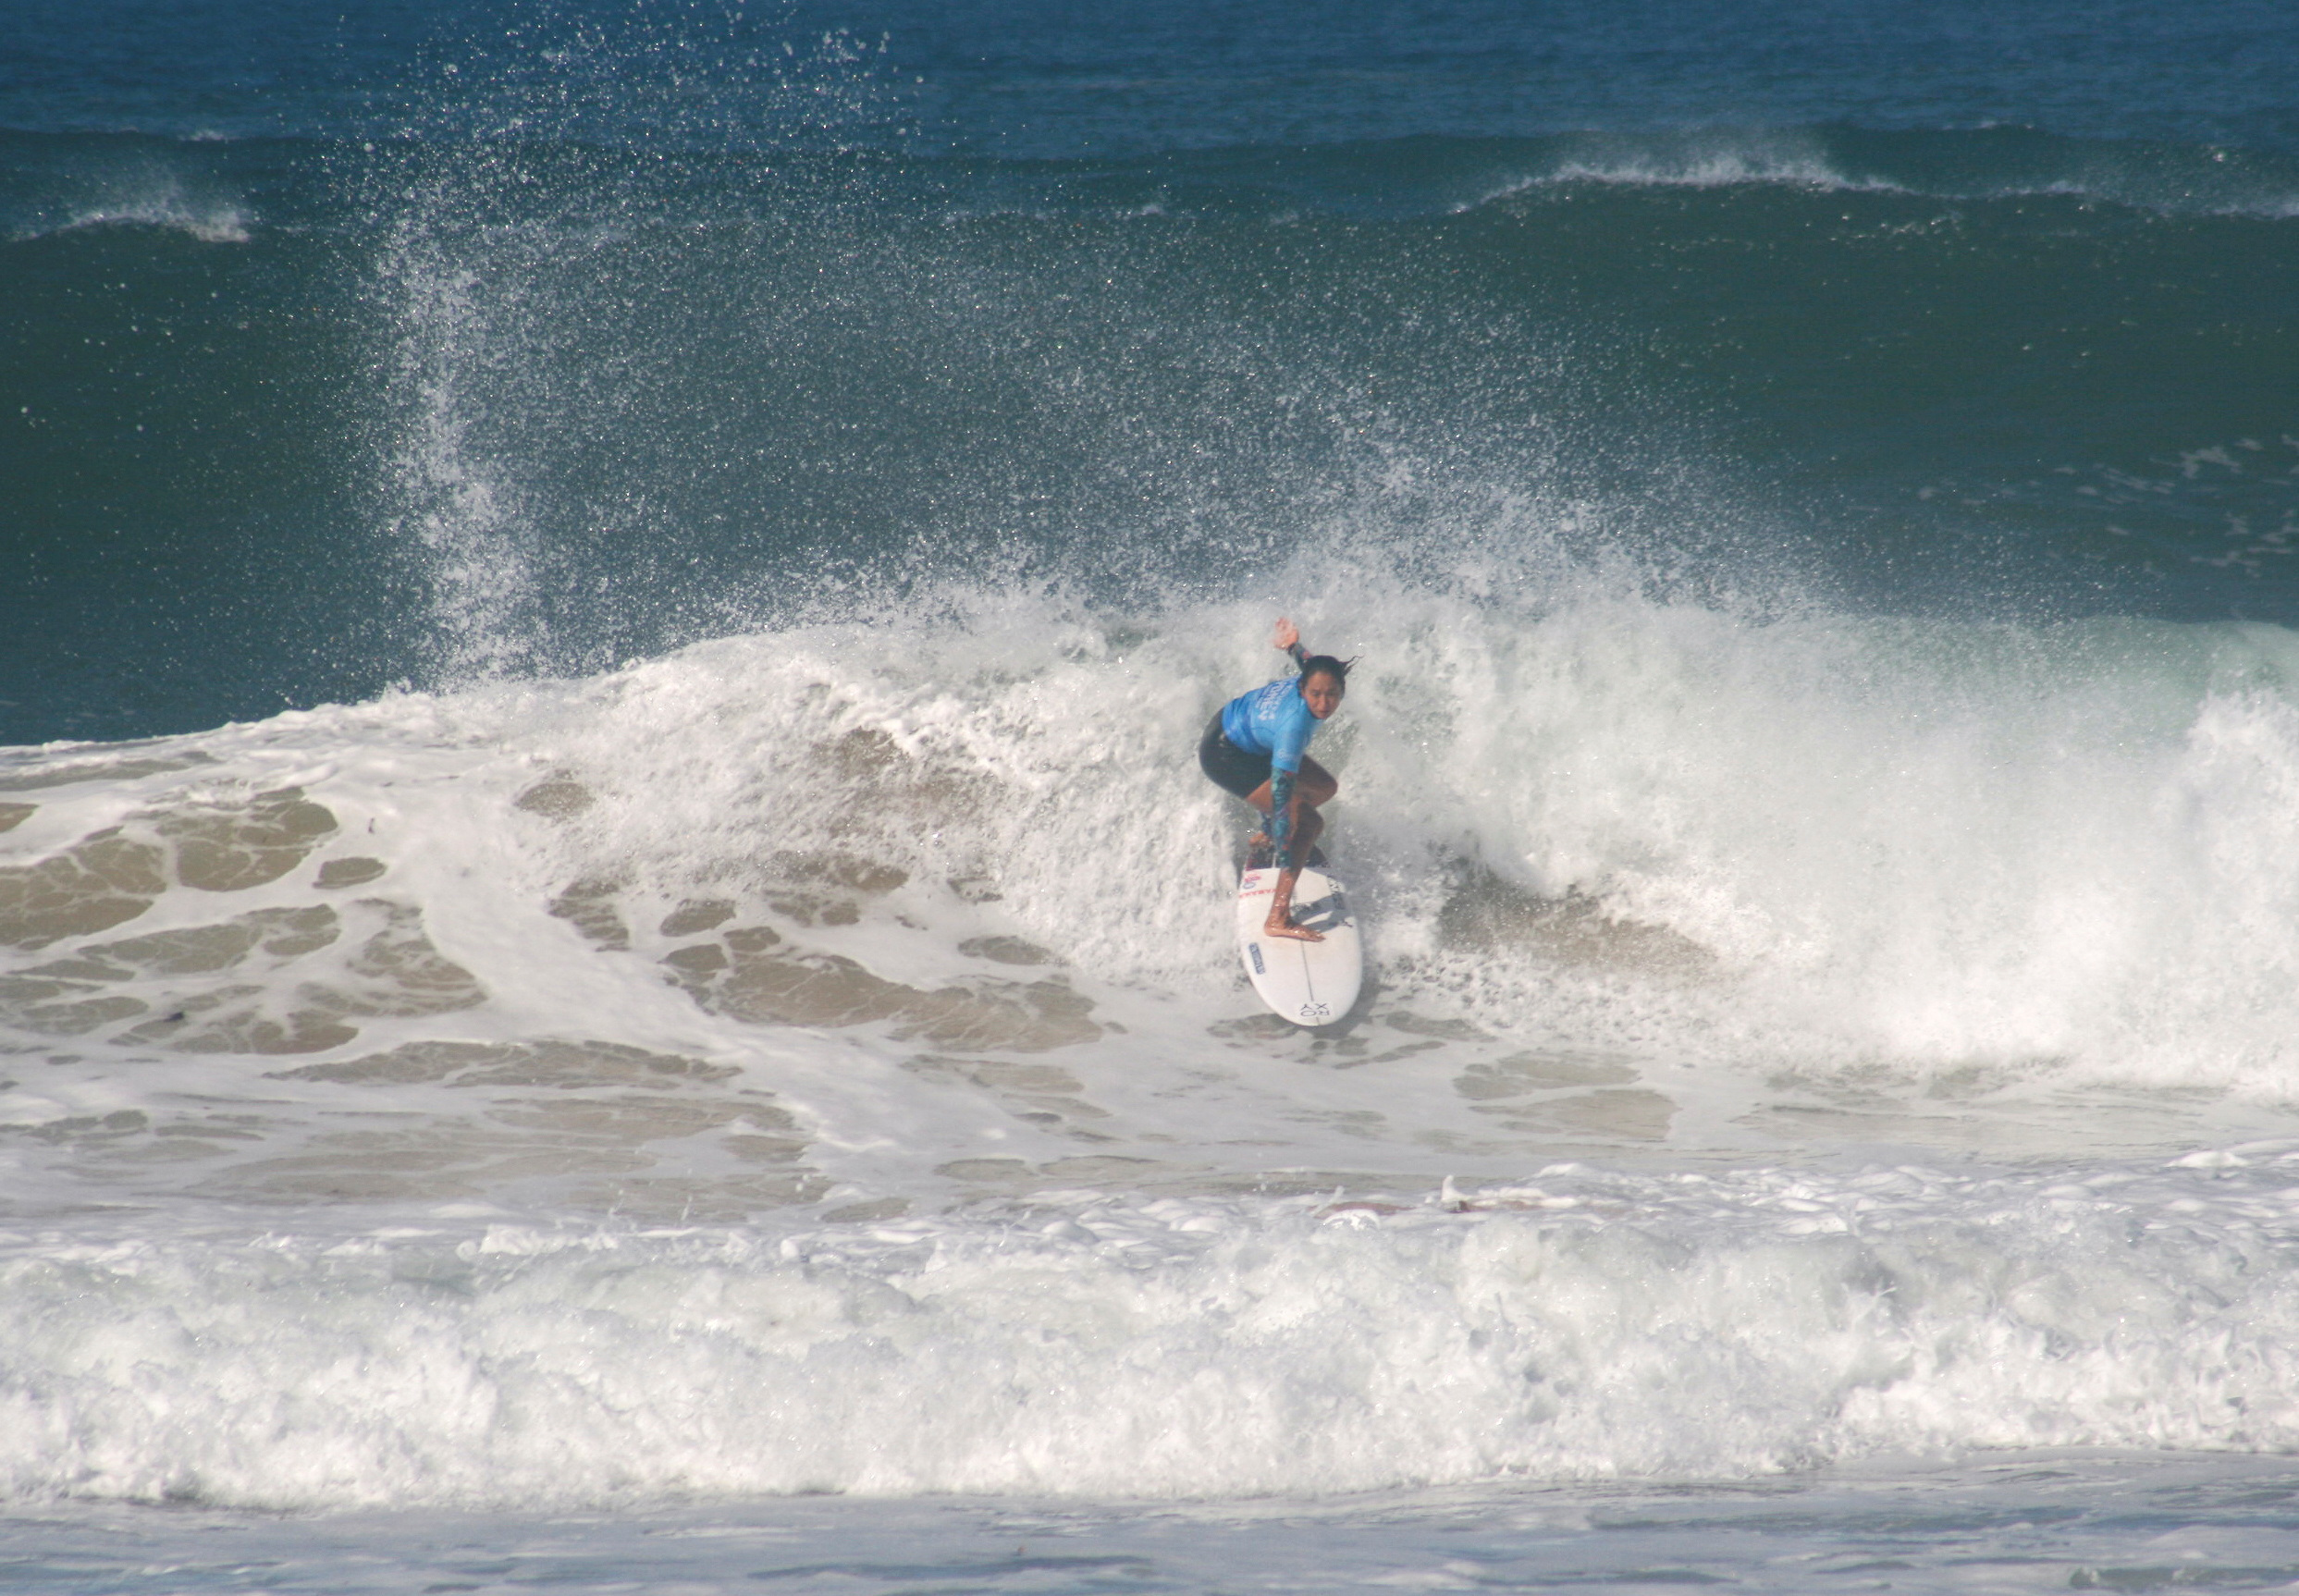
613 963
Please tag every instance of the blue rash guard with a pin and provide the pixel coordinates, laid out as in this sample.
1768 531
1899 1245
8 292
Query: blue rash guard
1274 720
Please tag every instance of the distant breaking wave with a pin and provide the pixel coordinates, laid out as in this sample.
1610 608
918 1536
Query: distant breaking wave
51 184
220 227
1978 165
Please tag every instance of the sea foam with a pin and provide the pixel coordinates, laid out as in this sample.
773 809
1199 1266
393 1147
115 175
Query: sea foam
1587 1326
891 914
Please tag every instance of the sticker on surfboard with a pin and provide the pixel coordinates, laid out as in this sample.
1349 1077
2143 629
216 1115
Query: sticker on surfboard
1308 983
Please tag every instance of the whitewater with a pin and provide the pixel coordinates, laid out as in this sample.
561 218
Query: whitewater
615 967
814 1062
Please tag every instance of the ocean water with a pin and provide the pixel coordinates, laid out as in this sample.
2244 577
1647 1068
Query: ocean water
614 966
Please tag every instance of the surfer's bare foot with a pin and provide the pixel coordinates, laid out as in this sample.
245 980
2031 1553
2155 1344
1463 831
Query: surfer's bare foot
1280 921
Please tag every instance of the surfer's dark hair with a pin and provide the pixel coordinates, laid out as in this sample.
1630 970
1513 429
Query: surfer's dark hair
1337 668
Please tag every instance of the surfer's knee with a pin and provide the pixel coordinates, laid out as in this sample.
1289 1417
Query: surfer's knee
1314 783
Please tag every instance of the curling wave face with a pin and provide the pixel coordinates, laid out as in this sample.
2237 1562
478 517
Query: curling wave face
855 915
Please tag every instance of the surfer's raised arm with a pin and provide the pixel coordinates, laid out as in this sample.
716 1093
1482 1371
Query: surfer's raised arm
1256 747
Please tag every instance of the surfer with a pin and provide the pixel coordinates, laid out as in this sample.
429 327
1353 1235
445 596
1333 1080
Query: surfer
1256 748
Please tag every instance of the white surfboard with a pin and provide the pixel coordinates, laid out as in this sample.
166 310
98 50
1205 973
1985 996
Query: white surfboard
1308 983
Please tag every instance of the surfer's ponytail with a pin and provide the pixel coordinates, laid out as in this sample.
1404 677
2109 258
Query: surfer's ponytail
1337 668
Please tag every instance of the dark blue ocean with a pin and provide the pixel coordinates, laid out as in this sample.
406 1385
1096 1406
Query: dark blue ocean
1958 310
613 964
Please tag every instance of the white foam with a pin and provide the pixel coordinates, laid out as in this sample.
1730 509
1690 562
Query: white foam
1678 886
1932 843
1589 1327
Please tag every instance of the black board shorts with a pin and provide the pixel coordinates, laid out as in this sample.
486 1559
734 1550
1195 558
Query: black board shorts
1228 765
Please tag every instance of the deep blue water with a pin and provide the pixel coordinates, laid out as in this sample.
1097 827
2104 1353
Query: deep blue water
346 348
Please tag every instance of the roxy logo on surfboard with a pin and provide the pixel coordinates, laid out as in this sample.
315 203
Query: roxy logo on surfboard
1295 934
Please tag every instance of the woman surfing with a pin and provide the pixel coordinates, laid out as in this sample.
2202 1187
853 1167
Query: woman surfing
1256 747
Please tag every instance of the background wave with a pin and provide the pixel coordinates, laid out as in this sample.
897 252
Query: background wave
297 420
